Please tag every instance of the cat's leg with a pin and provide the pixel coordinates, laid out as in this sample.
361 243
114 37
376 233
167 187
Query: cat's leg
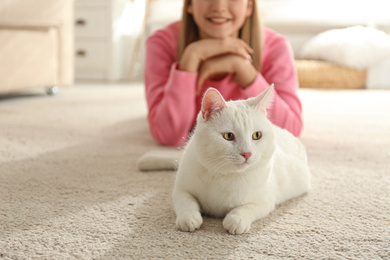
187 209
239 220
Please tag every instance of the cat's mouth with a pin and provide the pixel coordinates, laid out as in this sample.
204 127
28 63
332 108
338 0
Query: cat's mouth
246 161
244 164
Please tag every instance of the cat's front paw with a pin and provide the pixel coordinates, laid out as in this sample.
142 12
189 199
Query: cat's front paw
189 221
236 224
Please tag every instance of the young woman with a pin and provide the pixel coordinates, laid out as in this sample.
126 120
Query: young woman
219 44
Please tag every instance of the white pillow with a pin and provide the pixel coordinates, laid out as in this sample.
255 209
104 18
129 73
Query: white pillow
356 47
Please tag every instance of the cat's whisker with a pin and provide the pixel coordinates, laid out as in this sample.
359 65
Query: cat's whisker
219 162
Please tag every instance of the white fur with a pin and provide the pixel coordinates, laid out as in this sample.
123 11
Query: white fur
214 179
356 47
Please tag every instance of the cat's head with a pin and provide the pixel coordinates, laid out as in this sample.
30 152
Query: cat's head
234 136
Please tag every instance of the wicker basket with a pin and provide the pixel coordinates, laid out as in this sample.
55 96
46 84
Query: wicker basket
322 74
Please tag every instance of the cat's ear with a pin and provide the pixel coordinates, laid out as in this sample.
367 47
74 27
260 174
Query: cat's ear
263 100
212 102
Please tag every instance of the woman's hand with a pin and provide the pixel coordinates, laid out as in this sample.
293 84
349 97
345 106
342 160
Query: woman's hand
202 50
242 68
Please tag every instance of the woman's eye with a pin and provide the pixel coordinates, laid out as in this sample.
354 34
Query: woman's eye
257 135
228 136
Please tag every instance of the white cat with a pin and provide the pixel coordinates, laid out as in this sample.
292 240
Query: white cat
237 165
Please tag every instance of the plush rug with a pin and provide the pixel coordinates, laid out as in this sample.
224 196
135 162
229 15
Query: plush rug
70 187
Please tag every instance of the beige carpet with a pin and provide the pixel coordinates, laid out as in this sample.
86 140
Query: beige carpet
70 189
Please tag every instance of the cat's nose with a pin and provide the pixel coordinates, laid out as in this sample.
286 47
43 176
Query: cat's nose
246 155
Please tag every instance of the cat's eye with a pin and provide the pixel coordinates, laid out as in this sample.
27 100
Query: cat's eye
257 135
228 136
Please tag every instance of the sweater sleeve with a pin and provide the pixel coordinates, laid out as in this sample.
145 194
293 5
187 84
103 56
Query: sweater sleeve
278 68
170 93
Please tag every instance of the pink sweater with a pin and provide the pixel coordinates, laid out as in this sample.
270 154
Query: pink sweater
173 103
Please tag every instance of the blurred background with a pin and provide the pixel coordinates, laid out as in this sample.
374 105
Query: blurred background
48 43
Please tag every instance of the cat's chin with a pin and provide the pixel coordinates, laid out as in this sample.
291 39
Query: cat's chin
242 167
233 169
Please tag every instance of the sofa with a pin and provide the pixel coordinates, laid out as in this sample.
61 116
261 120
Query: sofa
36 44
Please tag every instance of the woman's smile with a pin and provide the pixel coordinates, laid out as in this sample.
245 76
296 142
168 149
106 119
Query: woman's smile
218 20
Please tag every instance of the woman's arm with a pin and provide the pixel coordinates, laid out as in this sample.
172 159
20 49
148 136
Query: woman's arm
170 93
278 67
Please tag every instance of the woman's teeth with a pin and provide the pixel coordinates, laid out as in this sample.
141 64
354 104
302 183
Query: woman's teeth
218 20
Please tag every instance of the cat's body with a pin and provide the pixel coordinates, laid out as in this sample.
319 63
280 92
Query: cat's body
237 165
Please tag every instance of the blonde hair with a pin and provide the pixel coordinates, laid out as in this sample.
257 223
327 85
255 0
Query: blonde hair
251 32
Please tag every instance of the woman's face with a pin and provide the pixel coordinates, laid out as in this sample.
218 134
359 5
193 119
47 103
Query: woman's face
220 18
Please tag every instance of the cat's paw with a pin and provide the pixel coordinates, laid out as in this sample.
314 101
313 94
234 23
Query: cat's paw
236 224
189 221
